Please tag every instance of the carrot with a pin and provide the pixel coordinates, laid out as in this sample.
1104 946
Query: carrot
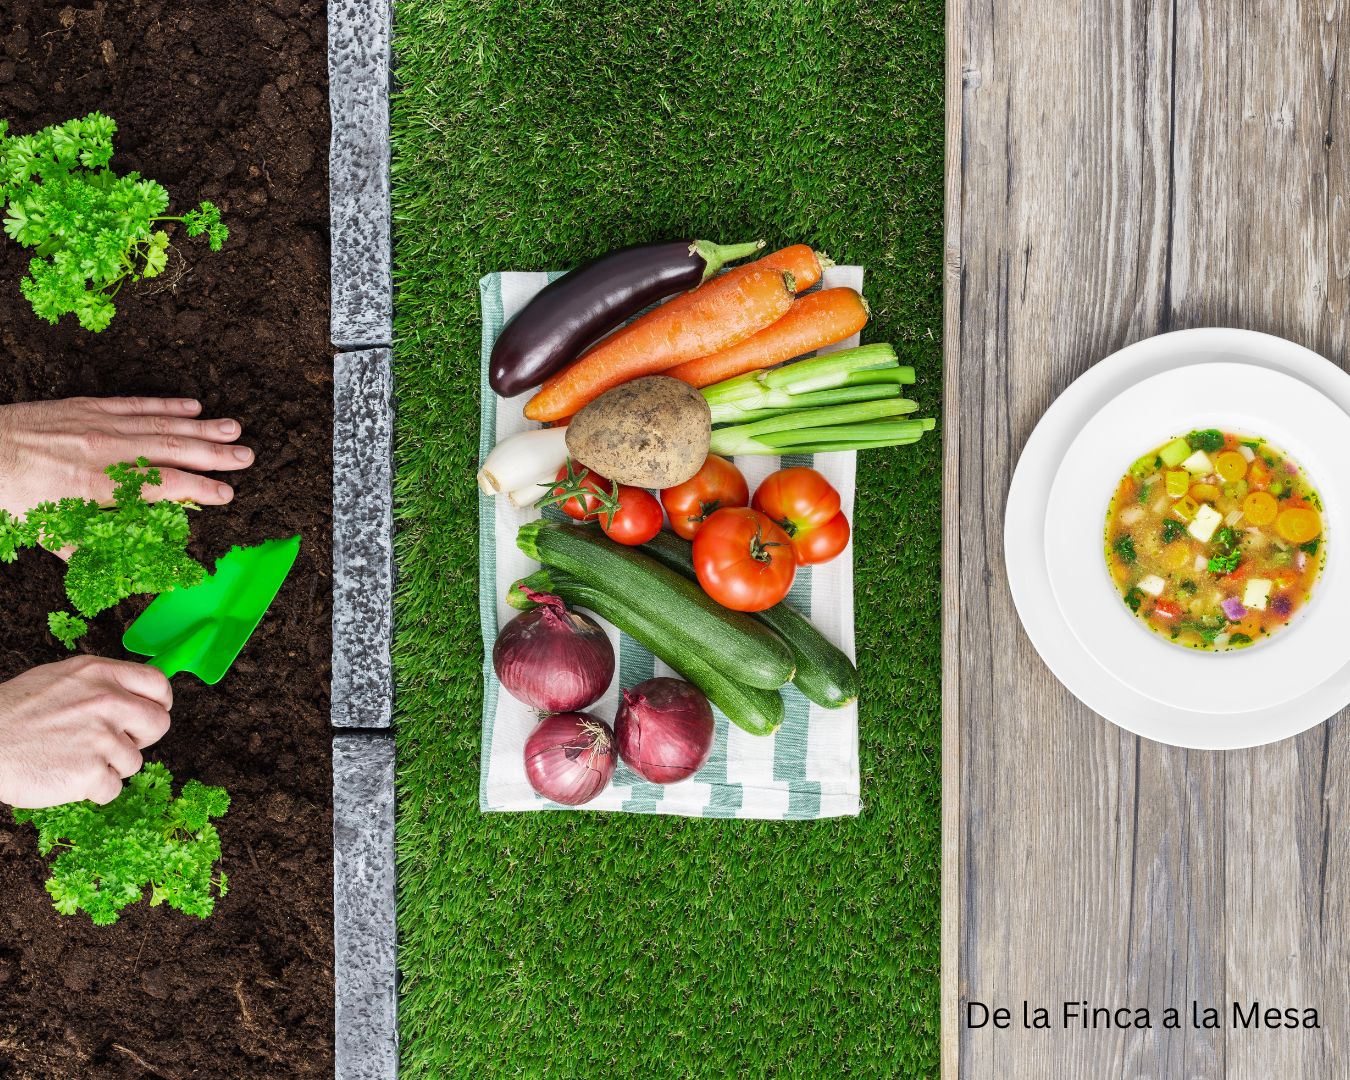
819 319
730 308
799 260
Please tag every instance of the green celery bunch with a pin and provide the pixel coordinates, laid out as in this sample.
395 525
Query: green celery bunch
131 547
108 854
92 229
848 400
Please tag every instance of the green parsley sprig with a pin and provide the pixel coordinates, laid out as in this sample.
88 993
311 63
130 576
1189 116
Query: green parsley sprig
92 229
131 547
107 855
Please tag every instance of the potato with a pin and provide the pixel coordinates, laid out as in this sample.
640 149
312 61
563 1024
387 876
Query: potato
652 432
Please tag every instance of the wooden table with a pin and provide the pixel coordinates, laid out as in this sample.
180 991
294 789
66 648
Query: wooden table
1116 169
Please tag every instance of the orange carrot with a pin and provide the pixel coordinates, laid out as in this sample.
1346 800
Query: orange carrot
729 310
814 321
799 260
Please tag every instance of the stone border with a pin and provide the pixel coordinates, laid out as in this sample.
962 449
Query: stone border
364 941
365 960
359 34
363 539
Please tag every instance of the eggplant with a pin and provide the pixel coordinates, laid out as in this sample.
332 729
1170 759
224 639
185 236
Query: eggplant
574 312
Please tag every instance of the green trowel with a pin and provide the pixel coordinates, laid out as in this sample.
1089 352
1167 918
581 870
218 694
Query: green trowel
202 629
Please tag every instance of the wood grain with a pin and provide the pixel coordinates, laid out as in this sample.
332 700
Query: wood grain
1116 171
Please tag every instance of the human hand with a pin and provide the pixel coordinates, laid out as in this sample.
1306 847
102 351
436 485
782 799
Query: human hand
58 449
72 730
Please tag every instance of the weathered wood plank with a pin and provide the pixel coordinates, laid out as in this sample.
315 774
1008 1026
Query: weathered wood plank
1115 171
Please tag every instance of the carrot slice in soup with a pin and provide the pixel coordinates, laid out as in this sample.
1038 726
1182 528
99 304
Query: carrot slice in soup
1260 508
1298 525
1230 466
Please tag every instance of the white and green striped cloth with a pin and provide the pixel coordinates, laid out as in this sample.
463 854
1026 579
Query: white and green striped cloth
807 769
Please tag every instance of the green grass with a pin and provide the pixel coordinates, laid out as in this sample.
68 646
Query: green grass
530 135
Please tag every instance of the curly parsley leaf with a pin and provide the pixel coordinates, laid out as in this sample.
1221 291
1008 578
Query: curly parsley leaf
1209 440
132 547
92 229
109 854
1124 549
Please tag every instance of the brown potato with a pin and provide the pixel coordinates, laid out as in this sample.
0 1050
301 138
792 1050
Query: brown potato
652 432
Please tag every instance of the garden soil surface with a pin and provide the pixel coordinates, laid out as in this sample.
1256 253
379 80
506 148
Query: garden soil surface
228 102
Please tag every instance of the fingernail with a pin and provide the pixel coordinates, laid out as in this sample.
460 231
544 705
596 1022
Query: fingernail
227 427
243 453
191 405
225 492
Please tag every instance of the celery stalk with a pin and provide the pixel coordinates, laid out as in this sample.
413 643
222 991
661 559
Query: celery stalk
843 433
900 375
776 405
802 376
802 431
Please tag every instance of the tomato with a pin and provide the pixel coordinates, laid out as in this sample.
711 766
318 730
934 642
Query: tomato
579 482
637 519
823 544
743 560
806 507
1166 609
717 485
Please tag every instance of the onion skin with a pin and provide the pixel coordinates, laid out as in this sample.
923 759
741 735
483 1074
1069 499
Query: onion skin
664 729
553 659
569 757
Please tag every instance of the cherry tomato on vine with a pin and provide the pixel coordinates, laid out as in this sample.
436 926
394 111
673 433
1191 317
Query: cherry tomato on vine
806 507
743 560
714 487
637 519
588 491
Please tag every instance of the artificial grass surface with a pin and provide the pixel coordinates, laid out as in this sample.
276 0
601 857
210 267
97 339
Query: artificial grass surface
531 135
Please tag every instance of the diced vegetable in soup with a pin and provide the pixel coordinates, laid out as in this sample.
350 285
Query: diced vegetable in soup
1214 540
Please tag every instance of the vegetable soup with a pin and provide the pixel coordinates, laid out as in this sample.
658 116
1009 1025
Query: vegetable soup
1214 540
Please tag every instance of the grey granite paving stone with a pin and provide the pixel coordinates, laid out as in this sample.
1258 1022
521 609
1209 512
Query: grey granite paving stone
364 934
363 539
358 177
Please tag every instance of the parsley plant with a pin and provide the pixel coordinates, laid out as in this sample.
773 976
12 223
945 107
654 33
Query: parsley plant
130 547
92 229
107 855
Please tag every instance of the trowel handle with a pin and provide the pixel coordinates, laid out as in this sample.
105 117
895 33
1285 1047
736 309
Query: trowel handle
168 663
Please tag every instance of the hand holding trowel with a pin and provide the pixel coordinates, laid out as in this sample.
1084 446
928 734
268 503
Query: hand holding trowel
202 629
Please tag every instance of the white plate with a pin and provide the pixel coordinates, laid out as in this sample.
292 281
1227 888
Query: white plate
1233 397
1024 541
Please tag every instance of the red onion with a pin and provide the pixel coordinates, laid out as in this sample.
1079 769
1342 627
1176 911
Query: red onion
569 757
665 730
553 659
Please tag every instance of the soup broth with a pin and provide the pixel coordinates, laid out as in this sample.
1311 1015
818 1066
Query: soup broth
1214 540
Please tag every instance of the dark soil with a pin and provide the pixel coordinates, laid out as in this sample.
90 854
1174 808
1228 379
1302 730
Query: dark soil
224 101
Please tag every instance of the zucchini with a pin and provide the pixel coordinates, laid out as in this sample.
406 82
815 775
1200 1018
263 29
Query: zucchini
824 673
758 711
734 643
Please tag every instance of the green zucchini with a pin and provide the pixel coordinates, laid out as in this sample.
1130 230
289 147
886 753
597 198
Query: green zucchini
758 711
824 673
734 643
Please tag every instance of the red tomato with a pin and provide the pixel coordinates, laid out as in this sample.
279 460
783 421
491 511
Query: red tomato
714 487
577 481
1166 609
637 519
806 507
743 560
822 544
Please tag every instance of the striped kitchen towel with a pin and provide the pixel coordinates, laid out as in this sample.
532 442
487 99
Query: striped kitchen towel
807 769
